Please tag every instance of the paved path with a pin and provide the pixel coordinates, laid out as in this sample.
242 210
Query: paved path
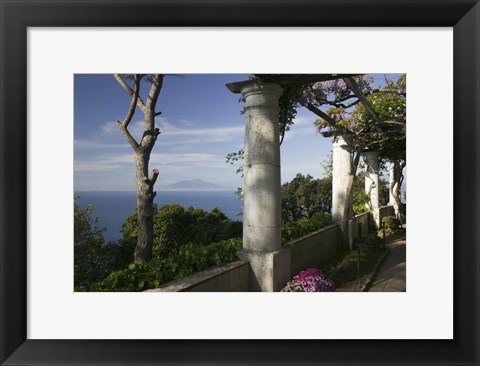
391 276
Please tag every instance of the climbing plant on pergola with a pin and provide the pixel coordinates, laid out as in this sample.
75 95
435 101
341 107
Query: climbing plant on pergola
352 113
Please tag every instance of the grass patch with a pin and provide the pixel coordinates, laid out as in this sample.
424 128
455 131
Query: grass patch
342 268
346 277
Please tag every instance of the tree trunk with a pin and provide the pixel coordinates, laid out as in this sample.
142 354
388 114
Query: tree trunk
347 209
145 193
395 187
144 184
143 249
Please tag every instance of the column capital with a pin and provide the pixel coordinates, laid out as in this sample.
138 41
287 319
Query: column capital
257 87
261 96
241 86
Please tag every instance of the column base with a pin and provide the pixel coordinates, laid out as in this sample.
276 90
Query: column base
269 271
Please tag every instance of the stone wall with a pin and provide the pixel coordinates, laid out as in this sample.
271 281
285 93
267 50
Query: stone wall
309 251
385 211
306 252
358 226
364 222
230 277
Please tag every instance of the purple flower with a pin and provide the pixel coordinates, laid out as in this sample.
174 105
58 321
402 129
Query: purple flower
310 280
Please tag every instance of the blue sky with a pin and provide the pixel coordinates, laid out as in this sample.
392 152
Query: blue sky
200 124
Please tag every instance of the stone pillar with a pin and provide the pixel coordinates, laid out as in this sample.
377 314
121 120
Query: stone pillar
341 175
270 264
371 183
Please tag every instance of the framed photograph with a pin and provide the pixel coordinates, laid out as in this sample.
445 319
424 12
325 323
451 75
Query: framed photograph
55 57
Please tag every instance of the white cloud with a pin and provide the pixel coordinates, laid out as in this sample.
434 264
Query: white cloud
175 158
113 162
94 166
95 144
200 135
180 133
302 121
108 128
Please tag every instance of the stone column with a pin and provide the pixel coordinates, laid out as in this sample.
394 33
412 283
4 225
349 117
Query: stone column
341 175
371 183
270 263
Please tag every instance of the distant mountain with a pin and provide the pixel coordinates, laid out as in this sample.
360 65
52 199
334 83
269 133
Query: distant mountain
194 185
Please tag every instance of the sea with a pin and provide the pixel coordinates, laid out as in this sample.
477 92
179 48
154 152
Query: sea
112 208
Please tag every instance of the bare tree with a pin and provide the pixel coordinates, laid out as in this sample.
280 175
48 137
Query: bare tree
143 149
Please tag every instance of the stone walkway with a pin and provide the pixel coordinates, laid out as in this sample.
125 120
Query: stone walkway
391 276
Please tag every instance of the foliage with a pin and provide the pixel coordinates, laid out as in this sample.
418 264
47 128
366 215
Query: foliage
327 165
360 198
392 225
383 189
345 269
182 262
370 242
85 228
236 157
359 209
385 132
175 226
296 229
93 258
389 136
304 196
310 280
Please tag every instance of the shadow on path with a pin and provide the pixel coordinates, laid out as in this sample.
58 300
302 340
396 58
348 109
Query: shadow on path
391 276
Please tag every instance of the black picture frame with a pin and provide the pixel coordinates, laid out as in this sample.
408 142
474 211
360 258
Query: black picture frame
18 15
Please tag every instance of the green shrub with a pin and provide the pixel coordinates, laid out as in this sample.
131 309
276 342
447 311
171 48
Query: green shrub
173 226
93 258
359 208
370 242
391 224
296 229
182 262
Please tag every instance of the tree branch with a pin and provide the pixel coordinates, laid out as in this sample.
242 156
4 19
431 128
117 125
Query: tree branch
157 83
129 90
345 106
394 123
356 159
154 176
133 103
133 143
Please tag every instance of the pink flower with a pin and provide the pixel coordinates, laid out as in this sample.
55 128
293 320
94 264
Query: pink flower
310 280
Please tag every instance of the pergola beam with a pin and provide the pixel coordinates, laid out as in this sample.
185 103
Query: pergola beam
353 86
291 80
321 114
